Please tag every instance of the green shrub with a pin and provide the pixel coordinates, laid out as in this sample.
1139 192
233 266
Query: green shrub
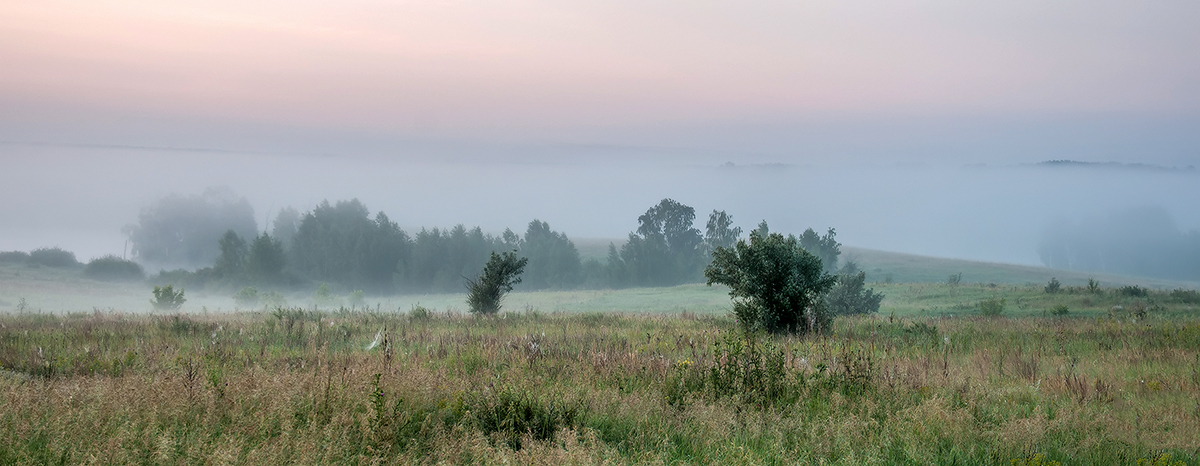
512 413
1054 286
1093 286
991 307
776 285
52 257
1060 310
849 297
1133 291
954 279
1185 296
14 257
113 268
167 299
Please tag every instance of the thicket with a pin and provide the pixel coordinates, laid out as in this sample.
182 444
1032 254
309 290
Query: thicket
52 257
113 268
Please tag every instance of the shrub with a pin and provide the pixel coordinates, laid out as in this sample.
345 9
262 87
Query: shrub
991 307
167 299
1185 296
1093 286
52 257
776 285
1133 291
486 292
1060 310
849 296
954 279
14 257
113 268
1053 286
247 297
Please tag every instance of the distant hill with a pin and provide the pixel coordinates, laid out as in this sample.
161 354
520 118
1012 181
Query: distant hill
911 268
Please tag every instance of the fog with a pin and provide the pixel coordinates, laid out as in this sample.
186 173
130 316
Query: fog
80 197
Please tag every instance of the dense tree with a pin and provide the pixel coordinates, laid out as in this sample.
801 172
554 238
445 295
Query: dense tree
182 231
341 244
665 250
232 261
1142 241
776 285
266 260
485 293
553 259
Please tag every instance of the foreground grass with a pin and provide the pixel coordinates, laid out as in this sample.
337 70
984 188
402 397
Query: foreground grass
296 386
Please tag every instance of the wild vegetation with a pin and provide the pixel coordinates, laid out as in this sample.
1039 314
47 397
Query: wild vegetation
307 386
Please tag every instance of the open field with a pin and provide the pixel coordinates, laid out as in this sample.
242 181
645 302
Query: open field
361 387
652 375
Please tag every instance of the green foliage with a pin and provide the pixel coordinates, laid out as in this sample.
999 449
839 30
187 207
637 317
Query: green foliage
167 298
14 257
323 297
232 260
266 260
776 285
513 413
1053 286
991 307
52 257
1093 286
113 268
825 247
1060 310
665 250
719 231
1183 296
485 293
340 244
954 279
1133 291
553 260
850 296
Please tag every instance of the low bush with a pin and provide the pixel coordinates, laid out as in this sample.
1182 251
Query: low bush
52 257
991 307
14 257
113 268
1133 291
1053 286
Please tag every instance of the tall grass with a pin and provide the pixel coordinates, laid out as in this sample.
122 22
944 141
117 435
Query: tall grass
300 386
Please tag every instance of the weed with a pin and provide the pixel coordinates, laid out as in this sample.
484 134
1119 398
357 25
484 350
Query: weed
991 307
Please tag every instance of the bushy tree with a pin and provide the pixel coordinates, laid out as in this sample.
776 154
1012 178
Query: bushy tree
850 296
287 222
665 250
775 284
485 293
182 231
167 298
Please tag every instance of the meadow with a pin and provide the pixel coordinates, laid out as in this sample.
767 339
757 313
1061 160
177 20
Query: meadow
643 376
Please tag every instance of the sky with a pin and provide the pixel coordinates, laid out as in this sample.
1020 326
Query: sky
878 108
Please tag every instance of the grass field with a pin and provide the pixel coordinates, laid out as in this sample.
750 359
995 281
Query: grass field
638 376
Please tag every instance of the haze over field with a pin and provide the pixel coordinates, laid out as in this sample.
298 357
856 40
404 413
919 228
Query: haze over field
910 127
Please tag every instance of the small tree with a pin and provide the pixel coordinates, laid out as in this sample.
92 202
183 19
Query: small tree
1053 286
486 292
775 284
167 299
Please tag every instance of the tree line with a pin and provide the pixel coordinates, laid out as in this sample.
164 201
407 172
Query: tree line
343 244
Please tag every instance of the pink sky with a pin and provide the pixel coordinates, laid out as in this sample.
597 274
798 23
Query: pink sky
471 68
